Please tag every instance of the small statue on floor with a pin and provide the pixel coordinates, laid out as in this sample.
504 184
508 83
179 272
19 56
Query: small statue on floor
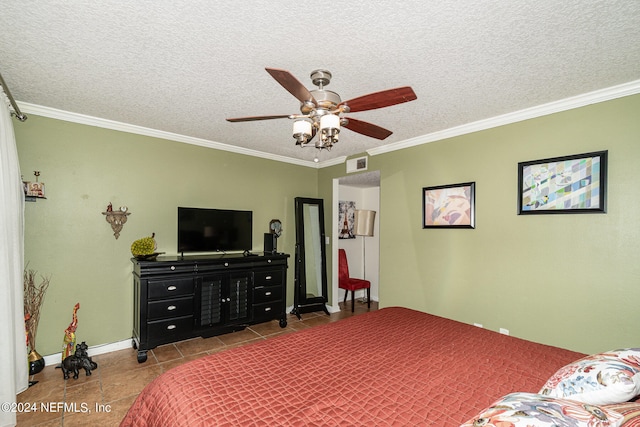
79 360
69 340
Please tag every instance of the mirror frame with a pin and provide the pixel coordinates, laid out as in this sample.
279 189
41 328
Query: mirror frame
302 303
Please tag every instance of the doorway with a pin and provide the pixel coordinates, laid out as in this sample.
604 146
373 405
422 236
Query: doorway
361 191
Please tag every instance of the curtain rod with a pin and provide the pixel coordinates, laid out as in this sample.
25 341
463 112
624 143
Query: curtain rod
16 110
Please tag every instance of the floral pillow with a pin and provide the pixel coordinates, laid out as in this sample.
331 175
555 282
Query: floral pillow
529 409
630 412
599 379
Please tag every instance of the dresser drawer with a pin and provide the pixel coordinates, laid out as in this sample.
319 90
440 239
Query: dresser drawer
153 268
267 294
170 288
170 329
267 311
174 307
267 277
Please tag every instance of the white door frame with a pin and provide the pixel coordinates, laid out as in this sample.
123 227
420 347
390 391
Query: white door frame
333 304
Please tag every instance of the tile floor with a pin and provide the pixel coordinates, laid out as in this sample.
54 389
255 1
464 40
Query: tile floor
103 398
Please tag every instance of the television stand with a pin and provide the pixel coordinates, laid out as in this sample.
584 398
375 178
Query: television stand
178 297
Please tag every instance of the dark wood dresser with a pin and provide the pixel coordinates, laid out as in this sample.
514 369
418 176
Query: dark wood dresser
177 298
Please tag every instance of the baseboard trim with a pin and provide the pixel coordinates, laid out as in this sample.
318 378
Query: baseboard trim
55 359
330 308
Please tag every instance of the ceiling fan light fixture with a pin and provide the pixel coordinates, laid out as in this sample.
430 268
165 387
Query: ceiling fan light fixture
329 129
302 131
323 144
322 110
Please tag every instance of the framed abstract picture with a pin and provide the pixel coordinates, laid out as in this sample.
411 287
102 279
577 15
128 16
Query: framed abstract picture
449 206
569 184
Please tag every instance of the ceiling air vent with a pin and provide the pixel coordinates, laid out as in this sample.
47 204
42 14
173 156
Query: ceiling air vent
357 165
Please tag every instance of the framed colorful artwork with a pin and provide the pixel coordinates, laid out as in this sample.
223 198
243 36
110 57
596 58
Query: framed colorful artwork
569 184
449 206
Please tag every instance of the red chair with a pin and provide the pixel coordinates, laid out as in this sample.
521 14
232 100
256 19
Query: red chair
349 283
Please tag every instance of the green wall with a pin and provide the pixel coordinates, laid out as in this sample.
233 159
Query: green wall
571 281
84 168
564 280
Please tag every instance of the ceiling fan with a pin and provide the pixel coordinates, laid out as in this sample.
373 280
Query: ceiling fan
322 110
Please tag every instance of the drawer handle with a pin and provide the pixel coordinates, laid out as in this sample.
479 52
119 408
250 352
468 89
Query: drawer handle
269 261
268 278
171 288
171 327
173 267
267 293
171 307
226 264
267 309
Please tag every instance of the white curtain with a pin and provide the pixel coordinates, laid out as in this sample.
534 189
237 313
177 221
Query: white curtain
14 370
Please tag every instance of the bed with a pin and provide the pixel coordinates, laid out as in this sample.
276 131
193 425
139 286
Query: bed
393 366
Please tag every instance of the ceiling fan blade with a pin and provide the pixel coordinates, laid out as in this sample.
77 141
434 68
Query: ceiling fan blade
368 129
385 98
255 118
293 85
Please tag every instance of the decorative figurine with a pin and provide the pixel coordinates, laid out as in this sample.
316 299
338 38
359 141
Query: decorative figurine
109 207
275 227
69 340
79 360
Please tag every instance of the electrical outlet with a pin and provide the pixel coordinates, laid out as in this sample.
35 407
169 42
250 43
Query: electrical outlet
479 325
504 331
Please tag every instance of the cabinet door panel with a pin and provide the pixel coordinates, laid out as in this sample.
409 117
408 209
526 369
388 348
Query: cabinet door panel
211 300
238 297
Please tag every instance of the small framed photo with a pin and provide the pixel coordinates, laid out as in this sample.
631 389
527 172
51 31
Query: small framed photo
559 185
449 206
346 219
34 189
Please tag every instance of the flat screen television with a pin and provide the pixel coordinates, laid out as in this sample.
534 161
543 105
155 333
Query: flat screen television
214 230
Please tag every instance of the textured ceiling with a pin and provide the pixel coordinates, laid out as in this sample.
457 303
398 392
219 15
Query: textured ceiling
183 67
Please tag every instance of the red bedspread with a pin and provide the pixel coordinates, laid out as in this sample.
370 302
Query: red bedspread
393 366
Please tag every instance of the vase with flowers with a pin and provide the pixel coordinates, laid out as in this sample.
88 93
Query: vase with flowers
33 299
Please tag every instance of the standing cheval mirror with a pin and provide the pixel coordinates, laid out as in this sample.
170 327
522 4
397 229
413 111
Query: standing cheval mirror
310 293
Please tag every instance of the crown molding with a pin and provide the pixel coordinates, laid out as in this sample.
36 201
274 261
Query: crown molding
602 95
332 162
68 116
